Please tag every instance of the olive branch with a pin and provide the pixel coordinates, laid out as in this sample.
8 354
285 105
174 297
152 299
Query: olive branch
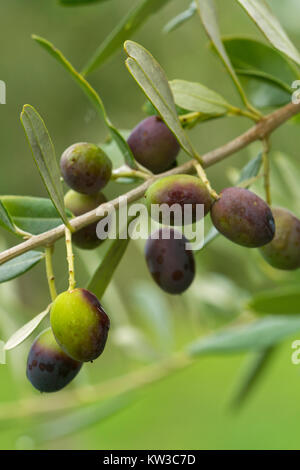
260 131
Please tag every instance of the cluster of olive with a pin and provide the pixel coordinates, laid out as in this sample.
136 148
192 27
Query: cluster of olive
79 325
87 170
238 214
78 333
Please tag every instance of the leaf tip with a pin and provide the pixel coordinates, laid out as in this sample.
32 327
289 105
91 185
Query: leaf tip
126 43
130 44
37 38
25 109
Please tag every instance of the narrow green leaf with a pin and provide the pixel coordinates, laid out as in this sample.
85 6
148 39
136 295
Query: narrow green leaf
208 16
155 312
260 334
103 274
5 219
211 236
285 180
93 97
254 370
254 58
44 157
135 18
149 109
180 19
251 169
197 97
279 301
111 149
152 80
19 265
78 420
19 336
34 215
262 15
265 73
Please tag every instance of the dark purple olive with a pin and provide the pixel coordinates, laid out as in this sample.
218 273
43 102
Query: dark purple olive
171 265
153 145
243 217
284 250
49 369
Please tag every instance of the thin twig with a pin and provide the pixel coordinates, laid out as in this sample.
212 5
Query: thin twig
50 272
203 176
70 259
258 132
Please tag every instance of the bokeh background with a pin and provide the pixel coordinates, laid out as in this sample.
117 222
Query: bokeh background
191 409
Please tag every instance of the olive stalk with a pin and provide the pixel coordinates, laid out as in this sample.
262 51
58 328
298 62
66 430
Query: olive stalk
70 259
260 131
50 272
250 114
202 175
22 233
126 172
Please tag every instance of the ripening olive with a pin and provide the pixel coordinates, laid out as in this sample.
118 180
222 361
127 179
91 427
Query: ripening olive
243 217
79 324
79 204
183 190
49 369
284 250
171 265
85 168
153 144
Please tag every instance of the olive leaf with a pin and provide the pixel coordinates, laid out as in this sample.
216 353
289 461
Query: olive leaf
5 219
155 313
284 300
251 169
211 236
265 73
110 261
19 336
19 265
208 16
69 423
34 215
285 180
197 97
257 335
180 19
137 16
253 372
263 17
93 97
44 156
152 80
103 274
111 148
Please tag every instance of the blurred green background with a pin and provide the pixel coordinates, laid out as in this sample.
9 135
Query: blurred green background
189 410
